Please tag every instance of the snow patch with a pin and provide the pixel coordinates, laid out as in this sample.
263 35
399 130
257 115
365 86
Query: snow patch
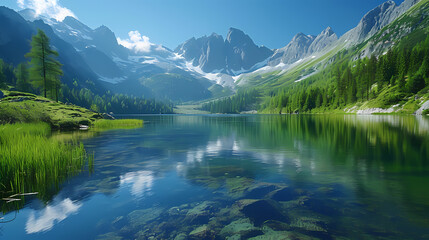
112 80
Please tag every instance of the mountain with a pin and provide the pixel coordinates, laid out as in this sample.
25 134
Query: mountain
15 38
326 38
303 45
210 62
234 55
97 47
127 71
375 20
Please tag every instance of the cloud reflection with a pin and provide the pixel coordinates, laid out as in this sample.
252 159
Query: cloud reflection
141 182
44 220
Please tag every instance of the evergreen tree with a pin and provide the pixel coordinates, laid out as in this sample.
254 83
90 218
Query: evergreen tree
22 78
416 83
2 75
45 69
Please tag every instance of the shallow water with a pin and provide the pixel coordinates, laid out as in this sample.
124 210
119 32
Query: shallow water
192 177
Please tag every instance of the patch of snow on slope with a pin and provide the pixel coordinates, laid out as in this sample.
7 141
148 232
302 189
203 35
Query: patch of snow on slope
111 80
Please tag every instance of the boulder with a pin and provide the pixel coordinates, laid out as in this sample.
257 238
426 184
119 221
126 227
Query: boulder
201 232
421 110
273 235
260 190
277 226
242 227
284 194
237 186
181 236
260 211
201 213
139 218
309 224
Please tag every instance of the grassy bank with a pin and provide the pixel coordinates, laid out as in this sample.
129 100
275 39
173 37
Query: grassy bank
31 161
18 107
104 124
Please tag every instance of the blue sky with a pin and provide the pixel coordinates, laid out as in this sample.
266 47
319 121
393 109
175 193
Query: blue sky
272 23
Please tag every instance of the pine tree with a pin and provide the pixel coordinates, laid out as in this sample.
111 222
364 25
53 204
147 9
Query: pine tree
45 69
2 75
22 78
416 83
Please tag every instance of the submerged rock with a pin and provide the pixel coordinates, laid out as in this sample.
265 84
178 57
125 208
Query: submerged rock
260 190
202 232
181 236
260 211
242 228
238 186
282 235
309 224
284 194
201 213
109 236
139 218
326 207
277 225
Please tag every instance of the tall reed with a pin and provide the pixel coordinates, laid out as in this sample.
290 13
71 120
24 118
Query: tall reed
31 161
118 123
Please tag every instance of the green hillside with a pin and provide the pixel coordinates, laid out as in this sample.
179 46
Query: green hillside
394 78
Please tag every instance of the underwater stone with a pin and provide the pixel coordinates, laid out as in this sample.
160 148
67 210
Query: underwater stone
202 232
201 213
326 206
181 236
260 211
140 218
242 227
277 226
282 235
284 194
260 190
174 211
309 224
109 236
237 186
234 237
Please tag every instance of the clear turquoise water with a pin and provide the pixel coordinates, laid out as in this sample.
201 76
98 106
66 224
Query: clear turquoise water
309 177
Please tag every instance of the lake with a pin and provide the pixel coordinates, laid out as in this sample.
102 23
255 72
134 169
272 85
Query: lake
243 177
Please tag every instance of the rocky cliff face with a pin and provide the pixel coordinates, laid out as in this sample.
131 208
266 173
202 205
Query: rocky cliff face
375 20
235 54
302 46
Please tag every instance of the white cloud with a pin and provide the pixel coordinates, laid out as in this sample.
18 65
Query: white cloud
48 8
136 42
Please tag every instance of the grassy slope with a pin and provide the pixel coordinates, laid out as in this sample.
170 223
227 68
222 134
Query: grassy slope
27 108
394 34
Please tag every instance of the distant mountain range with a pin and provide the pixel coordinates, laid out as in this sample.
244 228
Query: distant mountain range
200 68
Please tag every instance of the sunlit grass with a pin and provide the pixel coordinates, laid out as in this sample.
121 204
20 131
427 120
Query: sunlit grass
119 123
31 161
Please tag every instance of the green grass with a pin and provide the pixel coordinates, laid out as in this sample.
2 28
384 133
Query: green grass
19 107
119 123
31 161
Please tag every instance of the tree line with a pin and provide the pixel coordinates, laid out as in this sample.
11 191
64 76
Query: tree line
241 101
401 72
